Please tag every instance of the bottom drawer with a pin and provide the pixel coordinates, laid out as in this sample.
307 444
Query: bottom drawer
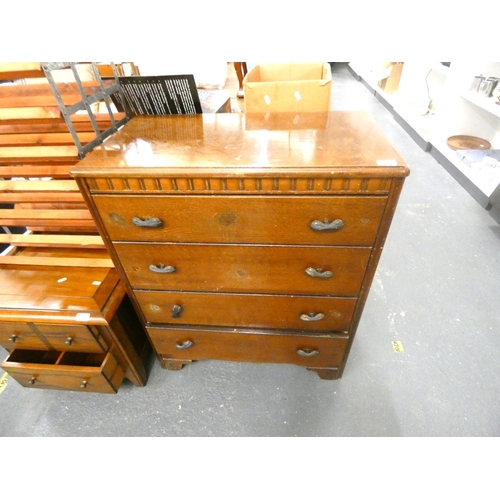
252 346
74 371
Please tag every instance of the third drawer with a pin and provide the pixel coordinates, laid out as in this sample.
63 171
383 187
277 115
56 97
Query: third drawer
254 311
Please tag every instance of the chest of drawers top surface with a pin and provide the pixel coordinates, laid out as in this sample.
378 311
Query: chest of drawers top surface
252 143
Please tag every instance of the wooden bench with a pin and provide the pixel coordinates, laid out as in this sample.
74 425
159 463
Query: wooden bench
65 318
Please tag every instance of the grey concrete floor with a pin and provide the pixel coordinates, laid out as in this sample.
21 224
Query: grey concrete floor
436 291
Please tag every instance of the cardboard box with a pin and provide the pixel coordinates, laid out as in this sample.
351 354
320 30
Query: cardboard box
288 87
391 83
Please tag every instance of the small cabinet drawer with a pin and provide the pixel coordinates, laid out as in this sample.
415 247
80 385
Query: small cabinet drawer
81 338
75 371
305 220
20 336
253 311
258 347
245 268
42 336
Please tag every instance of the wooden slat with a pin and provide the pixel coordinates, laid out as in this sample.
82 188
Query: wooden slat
66 186
47 139
46 126
55 171
35 142
55 261
29 113
18 153
40 94
100 117
42 197
52 206
52 240
46 218
18 70
91 230
34 192
81 123
44 214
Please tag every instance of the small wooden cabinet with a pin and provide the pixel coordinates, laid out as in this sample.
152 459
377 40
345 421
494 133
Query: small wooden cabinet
70 327
246 237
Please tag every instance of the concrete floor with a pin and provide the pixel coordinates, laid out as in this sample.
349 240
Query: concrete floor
436 291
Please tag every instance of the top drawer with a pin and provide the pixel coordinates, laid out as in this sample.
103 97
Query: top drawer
305 220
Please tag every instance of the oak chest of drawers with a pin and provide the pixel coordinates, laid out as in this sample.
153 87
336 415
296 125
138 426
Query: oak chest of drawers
246 237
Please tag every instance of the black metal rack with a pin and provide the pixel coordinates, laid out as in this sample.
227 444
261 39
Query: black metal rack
104 94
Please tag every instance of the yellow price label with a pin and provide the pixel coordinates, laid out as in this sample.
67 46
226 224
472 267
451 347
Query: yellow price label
3 382
397 346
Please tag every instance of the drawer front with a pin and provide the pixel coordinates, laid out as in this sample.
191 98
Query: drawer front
79 338
245 269
68 371
41 336
20 336
253 311
304 350
243 219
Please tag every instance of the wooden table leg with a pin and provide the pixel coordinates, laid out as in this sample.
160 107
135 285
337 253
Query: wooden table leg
241 71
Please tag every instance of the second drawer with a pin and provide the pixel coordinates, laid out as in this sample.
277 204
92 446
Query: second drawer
245 268
254 311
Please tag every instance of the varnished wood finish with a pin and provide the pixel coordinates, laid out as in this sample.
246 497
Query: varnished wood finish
245 268
257 347
42 336
60 295
79 308
209 145
35 142
55 241
252 310
65 370
55 261
21 336
235 196
243 219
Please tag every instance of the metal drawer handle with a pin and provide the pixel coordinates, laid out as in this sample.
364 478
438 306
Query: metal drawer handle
318 273
307 352
185 345
84 384
162 269
176 311
13 338
148 222
69 341
312 317
335 225
32 381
